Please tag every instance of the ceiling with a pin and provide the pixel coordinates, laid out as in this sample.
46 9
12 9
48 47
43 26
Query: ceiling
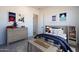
39 7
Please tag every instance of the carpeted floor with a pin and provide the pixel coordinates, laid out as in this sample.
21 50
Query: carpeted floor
20 46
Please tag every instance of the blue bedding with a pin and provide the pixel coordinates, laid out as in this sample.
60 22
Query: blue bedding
57 40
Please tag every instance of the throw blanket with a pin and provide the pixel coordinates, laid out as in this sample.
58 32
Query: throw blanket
57 39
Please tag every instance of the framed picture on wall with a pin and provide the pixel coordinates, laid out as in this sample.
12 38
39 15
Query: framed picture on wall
63 16
21 18
12 17
53 18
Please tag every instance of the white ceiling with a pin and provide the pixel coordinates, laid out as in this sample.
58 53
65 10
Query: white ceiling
39 7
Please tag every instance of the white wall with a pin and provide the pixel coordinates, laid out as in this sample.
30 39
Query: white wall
47 13
27 12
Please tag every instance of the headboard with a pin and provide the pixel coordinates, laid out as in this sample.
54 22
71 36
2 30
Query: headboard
65 28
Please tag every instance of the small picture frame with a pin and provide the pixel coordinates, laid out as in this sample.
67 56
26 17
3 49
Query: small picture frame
21 18
53 18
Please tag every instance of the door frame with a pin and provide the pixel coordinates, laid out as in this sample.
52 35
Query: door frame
33 24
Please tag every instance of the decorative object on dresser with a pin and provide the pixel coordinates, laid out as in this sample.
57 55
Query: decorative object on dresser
15 34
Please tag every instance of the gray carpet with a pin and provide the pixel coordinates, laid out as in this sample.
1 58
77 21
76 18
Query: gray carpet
20 46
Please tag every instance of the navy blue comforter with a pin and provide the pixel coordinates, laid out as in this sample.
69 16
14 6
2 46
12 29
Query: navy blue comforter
57 39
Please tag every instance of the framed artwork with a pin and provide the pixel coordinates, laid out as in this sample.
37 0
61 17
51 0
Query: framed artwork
21 18
53 18
62 16
12 17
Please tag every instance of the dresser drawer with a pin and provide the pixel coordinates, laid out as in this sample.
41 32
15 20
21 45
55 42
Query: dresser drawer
16 34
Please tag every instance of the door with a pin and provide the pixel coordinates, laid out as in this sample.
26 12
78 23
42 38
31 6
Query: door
35 24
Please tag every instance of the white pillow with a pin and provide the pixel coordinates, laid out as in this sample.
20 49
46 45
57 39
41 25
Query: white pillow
57 31
54 31
60 31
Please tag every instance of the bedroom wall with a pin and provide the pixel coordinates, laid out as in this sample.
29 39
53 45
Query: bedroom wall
27 12
47 13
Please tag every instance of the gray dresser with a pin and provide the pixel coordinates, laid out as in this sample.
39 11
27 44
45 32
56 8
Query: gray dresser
16 34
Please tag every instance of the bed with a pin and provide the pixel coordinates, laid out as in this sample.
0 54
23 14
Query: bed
56 40
61 31
58 35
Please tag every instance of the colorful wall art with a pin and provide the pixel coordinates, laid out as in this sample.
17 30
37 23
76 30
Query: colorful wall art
63 16
12 17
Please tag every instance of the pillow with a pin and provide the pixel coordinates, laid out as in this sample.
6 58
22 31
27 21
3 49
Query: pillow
54 31
57 31
60 31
